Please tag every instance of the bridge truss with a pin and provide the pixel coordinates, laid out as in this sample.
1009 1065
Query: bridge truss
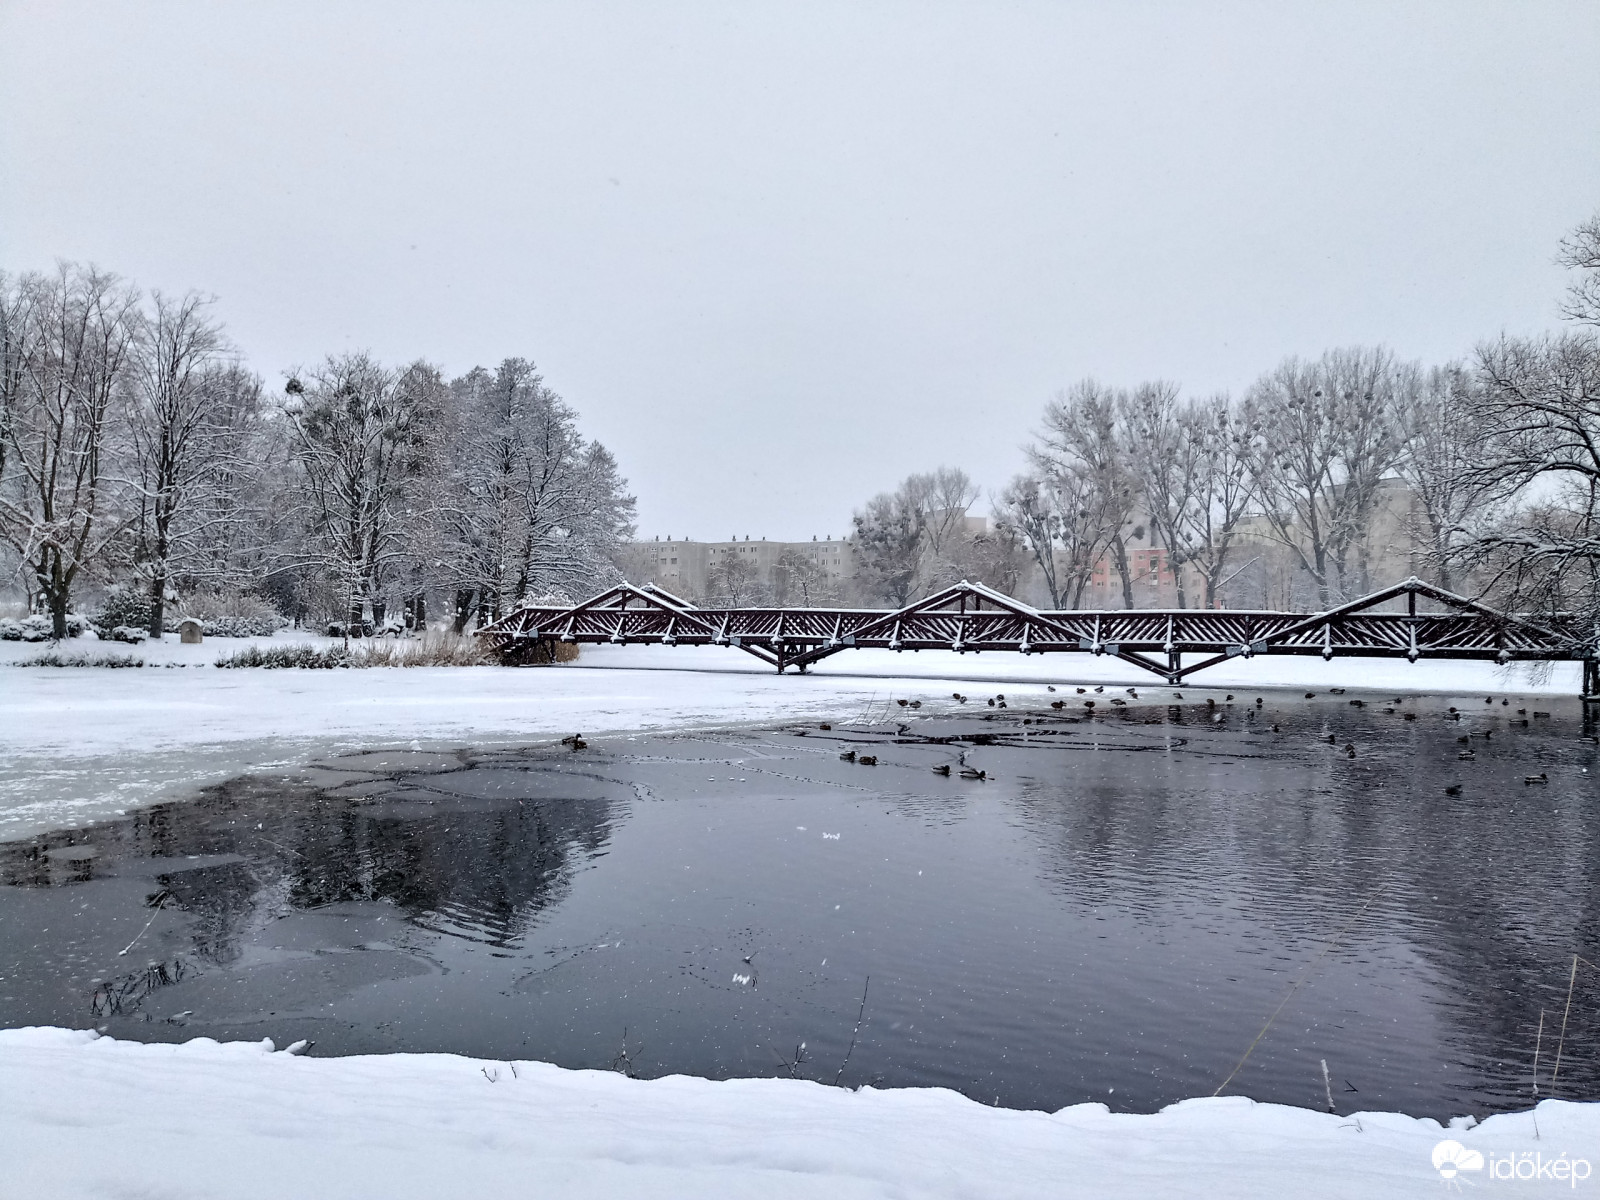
1410 620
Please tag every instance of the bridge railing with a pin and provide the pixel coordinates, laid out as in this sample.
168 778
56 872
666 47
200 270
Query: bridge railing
1411 620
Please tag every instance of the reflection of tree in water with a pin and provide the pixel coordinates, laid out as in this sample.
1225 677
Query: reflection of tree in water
472 871
459 865
1494 890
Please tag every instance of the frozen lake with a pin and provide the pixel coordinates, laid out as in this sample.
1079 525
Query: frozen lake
1111 914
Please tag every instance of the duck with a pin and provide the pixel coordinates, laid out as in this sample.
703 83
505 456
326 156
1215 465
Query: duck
1049 687
1081 691
902 703
1541 777
1453 790
942 769
1467 756
575 741
1088 703
973 773
867 760
1058 704
848 756
824 725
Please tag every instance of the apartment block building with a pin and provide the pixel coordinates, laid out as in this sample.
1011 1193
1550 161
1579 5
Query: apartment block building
755 569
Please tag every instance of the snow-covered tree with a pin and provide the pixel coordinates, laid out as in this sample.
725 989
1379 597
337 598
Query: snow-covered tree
361 436
69 338
530 507
179 406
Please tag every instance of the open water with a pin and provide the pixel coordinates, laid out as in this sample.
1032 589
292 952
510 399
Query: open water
1113 913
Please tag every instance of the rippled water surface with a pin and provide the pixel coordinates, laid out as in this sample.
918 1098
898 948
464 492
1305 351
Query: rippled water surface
1111 914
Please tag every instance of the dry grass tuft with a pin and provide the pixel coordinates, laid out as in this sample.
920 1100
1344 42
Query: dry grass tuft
433 649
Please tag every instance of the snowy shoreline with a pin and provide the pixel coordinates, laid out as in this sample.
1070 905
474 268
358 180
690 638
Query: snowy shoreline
83 744
206 1119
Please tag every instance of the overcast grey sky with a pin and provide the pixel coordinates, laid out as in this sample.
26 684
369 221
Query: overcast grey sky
779 256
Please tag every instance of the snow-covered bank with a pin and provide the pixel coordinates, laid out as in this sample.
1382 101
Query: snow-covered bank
81 744
86 1117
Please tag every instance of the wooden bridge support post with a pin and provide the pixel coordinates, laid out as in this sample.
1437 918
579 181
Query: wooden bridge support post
1591 684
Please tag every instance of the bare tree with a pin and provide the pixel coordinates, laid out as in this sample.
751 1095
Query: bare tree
57 504
1081 455
1443 449
23 305
733 580
941 499
1166 460
1580 250
1061 522
358 428
1218 435
532 507
888 547
1537 414
799 577
1330 433
172 406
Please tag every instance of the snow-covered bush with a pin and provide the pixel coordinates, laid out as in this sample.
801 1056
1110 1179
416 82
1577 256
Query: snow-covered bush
38 628
121 607
132 634
301 655
233 614
241 626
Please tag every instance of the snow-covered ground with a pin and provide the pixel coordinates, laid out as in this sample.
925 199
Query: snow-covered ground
86 1117
82 744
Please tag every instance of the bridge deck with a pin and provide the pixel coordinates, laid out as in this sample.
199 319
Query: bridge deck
969 617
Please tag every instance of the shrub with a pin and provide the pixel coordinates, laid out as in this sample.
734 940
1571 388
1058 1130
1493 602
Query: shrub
302 654
431 650
55 658
126 633
233 614
38 628
122 606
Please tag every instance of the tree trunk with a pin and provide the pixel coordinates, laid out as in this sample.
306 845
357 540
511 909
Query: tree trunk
1119 555
58 613
158 603
463 610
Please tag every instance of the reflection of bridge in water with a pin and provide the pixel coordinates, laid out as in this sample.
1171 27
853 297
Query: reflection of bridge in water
1410 620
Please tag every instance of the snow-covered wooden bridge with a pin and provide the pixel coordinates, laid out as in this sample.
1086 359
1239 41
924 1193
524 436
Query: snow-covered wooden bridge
1410 620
